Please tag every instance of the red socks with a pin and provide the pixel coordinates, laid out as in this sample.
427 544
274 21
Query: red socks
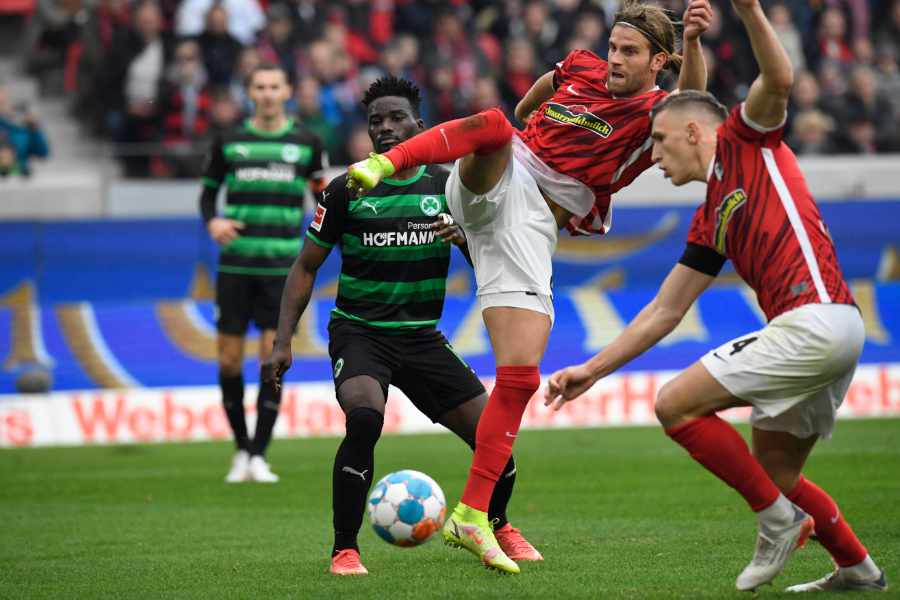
832 530
720 448
497 430
483 133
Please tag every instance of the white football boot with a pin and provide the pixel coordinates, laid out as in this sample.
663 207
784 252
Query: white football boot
773 548
239 467
259 471
841 581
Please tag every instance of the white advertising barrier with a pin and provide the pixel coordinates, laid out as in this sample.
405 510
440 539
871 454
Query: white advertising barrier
309 409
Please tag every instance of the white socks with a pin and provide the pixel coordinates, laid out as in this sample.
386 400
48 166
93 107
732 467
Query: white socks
777 515
863 571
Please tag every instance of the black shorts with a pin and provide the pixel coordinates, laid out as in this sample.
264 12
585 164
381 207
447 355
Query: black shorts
421 362
240 298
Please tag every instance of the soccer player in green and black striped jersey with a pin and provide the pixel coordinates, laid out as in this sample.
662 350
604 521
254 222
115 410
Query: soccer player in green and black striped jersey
395 257
266 164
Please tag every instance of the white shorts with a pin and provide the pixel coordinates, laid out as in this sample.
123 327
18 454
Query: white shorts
511 233
528 300
796 370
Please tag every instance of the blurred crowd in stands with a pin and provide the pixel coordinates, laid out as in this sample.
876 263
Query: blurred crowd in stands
160 77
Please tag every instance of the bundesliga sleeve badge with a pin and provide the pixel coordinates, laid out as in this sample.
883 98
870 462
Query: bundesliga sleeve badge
319 217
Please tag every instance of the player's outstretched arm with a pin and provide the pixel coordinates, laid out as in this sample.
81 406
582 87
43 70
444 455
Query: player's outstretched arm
697 17
656 320
767 101
540 91
294 299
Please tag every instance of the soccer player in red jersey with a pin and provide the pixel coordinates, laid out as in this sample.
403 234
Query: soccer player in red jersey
587 136
795 371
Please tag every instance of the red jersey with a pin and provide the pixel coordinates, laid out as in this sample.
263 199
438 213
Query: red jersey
760 214
586 133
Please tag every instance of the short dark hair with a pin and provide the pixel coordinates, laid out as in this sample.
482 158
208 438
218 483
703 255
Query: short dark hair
266 66
693 99
393 86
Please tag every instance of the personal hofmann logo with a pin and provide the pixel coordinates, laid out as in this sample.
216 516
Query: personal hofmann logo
579 117
338 366
726 210
430 205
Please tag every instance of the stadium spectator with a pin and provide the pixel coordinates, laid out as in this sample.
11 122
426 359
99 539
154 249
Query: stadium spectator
783 24
245 18
220 49
869 114
224 112
832 38
888 75
307 95
184 105
811 131
8 164
20 129
247 61
129 86
277 44
520 70
93 47
51 29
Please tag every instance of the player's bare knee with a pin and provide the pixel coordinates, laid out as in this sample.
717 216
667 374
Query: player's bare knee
666 409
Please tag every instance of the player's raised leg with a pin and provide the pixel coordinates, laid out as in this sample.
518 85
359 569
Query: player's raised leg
485 135
463 421
362 400
230 350
783 456
686 408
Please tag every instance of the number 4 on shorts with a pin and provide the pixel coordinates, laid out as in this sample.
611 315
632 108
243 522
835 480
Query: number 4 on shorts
741 344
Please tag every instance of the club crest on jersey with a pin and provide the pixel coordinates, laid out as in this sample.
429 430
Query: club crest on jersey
318 218
578 116
726 210
290 153
430 205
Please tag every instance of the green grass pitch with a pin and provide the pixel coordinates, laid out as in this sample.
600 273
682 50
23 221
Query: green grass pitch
617 513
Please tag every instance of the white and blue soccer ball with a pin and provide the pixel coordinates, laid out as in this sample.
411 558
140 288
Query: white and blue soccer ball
406 508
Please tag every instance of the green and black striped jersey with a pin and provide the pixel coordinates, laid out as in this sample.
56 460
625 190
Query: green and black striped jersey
265 176
393 266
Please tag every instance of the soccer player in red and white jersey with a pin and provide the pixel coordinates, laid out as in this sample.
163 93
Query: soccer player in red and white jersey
796 370
587 136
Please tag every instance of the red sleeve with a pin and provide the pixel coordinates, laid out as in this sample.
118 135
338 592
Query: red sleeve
699 233
741 129
577 60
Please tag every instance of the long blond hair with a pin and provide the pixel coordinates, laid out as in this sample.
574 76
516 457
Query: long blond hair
655 25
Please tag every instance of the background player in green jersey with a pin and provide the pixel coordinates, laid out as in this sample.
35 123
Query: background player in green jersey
395 259
266 165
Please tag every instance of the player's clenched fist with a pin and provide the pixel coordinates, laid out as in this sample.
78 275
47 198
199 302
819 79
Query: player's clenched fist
274 368
567 384
697 18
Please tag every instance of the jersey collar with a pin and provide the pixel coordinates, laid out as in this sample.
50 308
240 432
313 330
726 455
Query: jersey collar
288 124
412 179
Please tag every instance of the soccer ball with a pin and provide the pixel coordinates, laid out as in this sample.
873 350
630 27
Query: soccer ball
406 508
